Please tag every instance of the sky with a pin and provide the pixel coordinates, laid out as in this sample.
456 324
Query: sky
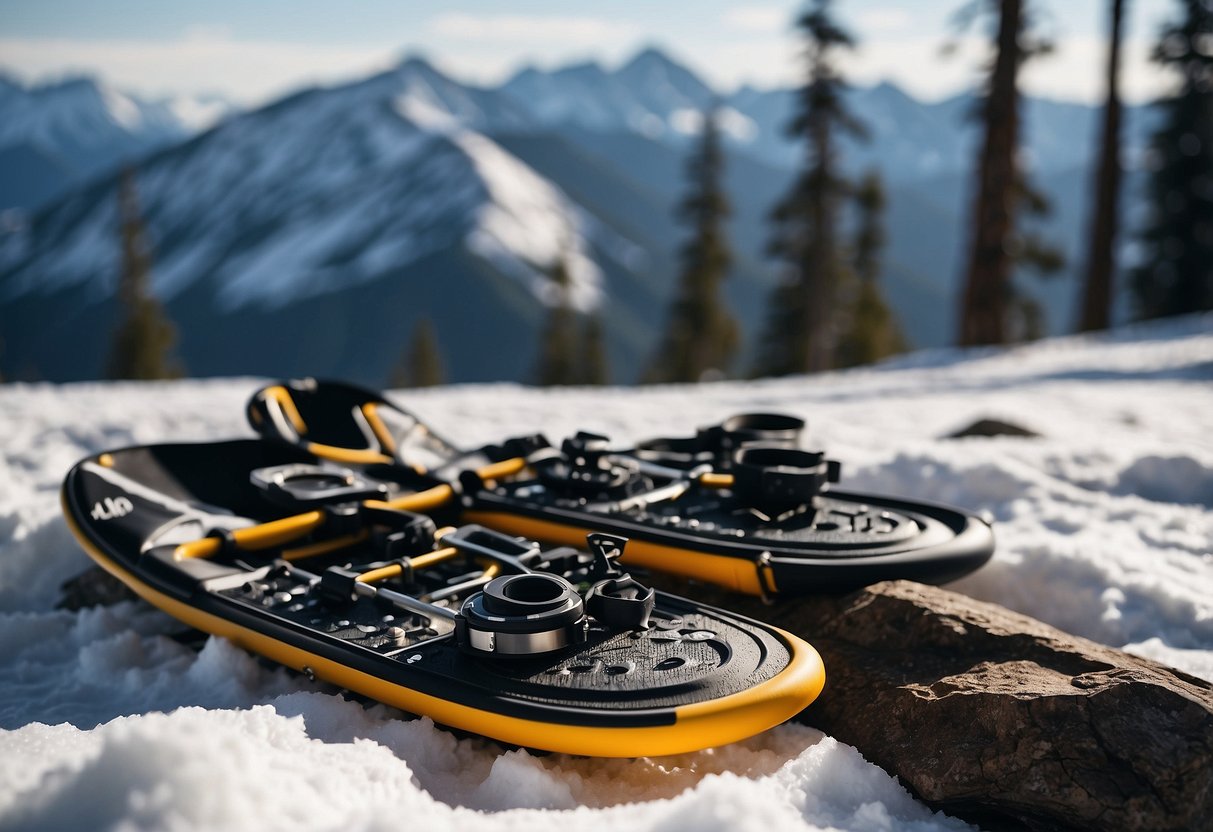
252 51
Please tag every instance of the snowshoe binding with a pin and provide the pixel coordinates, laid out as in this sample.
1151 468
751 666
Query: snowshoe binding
739 504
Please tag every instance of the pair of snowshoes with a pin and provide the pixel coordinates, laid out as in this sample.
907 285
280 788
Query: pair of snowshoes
356 545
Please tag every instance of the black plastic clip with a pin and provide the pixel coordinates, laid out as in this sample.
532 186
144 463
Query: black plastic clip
407 533
523 446
336 586
616 599
303 485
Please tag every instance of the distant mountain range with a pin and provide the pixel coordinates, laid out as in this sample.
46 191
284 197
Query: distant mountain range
309 235
57 136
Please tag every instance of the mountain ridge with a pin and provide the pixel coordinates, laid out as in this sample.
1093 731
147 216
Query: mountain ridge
343 191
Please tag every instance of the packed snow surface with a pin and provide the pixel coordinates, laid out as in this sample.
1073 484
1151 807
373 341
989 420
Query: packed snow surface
1103 525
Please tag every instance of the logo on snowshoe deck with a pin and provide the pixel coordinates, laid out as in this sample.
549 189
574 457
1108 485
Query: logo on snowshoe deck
112 507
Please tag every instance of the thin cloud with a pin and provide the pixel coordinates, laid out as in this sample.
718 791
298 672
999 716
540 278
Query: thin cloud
758 18
888 19
250 72
1074 72
565 30
247 71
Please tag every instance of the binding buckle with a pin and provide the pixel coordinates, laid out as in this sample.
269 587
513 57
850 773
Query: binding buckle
303 485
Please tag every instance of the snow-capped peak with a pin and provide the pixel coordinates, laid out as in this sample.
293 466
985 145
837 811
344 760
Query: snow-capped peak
319 192
649 94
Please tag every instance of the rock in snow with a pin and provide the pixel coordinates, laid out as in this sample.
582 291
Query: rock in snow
992 427
986 713
93 588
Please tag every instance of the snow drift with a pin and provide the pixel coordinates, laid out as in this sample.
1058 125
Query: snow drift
1103 525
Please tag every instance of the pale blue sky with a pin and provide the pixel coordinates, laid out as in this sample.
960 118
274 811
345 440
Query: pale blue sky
254 51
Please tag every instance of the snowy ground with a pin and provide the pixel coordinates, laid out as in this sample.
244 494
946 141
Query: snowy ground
1104 529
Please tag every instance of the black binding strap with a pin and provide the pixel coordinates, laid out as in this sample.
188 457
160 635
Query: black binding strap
775 477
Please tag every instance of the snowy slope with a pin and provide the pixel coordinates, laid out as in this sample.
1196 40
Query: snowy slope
323 190
1104 528
650 94
85 127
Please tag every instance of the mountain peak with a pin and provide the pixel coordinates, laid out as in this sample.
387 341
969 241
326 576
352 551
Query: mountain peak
70 85
662 84
653 58
417 64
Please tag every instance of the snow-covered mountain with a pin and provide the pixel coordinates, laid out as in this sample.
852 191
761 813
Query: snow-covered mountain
651 94
324 190
59 135
657 97
380 190
348 212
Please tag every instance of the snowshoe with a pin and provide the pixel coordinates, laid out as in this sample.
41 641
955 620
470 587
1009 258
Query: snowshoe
550 648
739 504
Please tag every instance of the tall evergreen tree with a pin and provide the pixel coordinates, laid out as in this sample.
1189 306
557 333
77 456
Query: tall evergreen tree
872 332
421 363
1176 275
701 335
142 344
800 328
594 367
558 343
992 308
1095 305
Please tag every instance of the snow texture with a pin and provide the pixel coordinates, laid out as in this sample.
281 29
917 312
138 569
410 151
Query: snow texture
106 722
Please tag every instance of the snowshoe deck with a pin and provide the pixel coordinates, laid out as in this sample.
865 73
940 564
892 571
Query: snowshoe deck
548 648
738 504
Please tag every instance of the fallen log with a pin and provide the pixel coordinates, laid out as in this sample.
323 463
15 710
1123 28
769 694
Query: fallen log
998 718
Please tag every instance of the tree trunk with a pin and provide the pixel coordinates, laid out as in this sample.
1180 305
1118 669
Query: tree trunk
820 268
1096 302
983 309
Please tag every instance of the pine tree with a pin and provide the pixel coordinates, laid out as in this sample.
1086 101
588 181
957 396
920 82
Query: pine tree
872 332
799 335
593 365
992 307
1176 274
1095 305
142 344
421 363
558 344
701 336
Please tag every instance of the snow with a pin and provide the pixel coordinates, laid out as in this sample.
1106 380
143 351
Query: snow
324 190
106 722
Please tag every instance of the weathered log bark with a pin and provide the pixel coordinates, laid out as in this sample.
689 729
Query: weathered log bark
999 718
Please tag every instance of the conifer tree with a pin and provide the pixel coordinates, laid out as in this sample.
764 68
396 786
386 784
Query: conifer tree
1176 274
1095 303
593 365
701 335
142 344
799 335
421 363
558 343
992 308
872 332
